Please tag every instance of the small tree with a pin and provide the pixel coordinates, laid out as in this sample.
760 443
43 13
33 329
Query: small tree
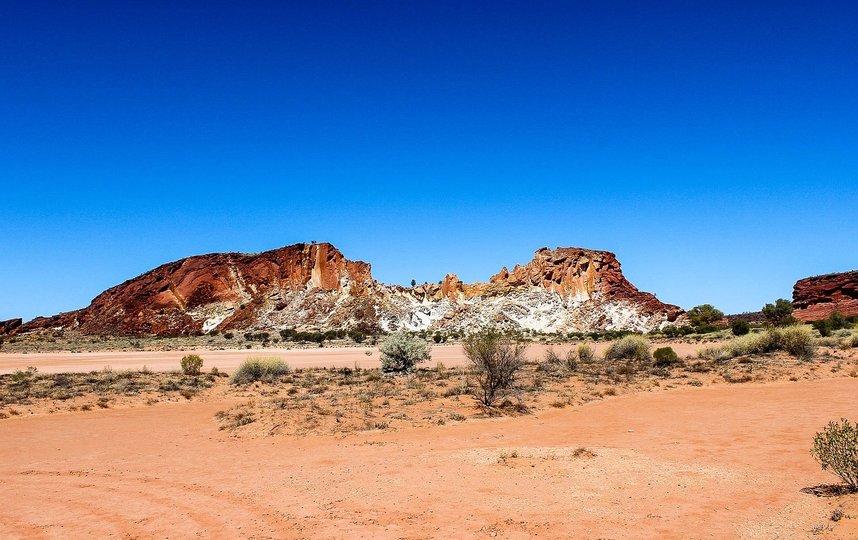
497 360
779 313
191 364
413 282
704 314
836 448
740 327
401 351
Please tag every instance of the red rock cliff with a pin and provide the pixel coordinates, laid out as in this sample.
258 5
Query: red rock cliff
159 301
816 298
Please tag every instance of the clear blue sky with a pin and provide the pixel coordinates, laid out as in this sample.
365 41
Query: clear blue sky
713 146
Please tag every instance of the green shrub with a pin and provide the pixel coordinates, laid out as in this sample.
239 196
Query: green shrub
437 338
664 356
836 448
704 315
835 321
628 348
823 327
191 364
401 351
838 321
740 327
228 335
265 369
779 313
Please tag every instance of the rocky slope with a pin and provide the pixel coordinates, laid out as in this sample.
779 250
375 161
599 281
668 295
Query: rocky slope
315 287
816 298
9 327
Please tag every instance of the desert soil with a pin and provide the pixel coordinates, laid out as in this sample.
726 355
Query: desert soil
722 461
62 362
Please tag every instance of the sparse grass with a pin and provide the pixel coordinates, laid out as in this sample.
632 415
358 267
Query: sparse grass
264 369
27 386
631 347
795 340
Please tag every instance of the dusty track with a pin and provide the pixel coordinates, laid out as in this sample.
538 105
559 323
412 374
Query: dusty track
717 462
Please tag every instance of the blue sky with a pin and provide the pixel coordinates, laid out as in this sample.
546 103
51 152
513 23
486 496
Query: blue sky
712 146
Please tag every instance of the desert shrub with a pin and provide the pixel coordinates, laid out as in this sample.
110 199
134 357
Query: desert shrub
497 359
838 321
704 315
551 356
436 338
740 327
779 313
822 326
835 322
569 360
795 340
676 331
228 335
586 354
836 448
628 348
664 356
401 351
265 369
191 364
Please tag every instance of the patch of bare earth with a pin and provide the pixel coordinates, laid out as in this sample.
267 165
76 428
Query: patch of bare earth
700 449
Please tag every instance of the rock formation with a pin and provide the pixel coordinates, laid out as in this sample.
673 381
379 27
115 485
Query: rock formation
315 287
9 327
816 298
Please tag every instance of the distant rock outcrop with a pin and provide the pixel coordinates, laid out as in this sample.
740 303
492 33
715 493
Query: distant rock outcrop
315 287
816 298
10 327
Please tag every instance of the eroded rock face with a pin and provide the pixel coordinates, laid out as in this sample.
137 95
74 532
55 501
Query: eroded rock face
816 298
316 287
223 290
7 328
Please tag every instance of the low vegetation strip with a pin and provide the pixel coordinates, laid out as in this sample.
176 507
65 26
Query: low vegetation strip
797 341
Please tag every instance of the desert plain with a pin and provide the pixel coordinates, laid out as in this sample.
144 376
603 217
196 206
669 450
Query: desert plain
699 449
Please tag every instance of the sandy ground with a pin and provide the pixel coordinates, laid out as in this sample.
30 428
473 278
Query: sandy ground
726 461
449 355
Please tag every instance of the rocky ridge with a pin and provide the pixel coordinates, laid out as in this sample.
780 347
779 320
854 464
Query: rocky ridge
816 298
313 286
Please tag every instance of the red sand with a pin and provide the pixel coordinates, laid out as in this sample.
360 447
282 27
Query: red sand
450 355
727 461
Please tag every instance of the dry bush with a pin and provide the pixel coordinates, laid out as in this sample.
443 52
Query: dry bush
586 354
628 348
795 340
266 369
497 359
191 364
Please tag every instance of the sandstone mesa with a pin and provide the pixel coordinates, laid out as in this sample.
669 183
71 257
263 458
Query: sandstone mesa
817 297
